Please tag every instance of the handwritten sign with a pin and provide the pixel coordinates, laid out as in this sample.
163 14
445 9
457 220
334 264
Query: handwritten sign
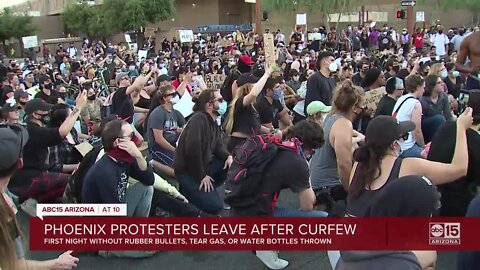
30 42
214 81
302 19
314 36
185 36
185 105
269 49
372 97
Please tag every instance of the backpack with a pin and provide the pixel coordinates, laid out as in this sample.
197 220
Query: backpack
395 113
245 176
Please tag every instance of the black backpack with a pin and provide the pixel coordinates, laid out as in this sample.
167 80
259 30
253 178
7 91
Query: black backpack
244 179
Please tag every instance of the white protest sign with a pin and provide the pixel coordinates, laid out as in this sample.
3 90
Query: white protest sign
142 54
30 42
302 19
314 36
127 38
185 36
185 105
420 16
214 81
70 210
372 97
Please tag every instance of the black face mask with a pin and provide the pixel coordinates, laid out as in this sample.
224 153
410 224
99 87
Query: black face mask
62 95
23 103
48 86
396 68
92 97
440 31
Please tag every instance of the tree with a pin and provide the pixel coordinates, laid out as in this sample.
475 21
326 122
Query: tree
325 7
82 18
472 5
15 26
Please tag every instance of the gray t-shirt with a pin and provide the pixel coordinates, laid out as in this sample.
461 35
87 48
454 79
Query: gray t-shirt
162 119
323 166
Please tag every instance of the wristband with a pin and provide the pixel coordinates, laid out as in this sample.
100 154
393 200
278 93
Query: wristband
75 110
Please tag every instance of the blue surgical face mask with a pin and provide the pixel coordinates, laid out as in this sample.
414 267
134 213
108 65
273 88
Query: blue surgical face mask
455 74
444 73
222 108
277 93
399 152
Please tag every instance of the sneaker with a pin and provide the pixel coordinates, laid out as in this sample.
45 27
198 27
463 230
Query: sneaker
271 259
30 207
226 206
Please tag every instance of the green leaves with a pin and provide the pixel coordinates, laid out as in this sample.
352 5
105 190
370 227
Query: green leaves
15 25
115 16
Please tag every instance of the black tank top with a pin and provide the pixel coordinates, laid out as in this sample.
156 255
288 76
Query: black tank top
360 206
143 103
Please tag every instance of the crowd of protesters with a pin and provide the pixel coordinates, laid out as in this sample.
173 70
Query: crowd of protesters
162 141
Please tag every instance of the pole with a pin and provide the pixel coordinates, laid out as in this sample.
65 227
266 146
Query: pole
258 16
362 18
410 20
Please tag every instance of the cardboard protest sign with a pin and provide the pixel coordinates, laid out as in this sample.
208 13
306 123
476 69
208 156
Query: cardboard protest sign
372 97
30 42
269 49
214 81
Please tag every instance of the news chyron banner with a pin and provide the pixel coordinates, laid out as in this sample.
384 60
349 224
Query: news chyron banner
92 232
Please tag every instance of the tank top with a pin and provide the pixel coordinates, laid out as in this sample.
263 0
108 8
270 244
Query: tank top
360 206
405 114
323 166
143 103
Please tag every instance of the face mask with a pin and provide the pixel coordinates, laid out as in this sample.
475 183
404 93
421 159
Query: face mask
175 100
131 68
45 119
48 86
455 74
296 78
231 63
333 67
216 67
109 61
396 68
222 108
162 65
62 95
92 97
307 59
444 74
399 152
22 103
277 93
196 61
440 31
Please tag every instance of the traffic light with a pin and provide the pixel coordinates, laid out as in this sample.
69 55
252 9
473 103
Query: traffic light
401 14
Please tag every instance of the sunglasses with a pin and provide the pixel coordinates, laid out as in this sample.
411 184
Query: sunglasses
404 137
173 94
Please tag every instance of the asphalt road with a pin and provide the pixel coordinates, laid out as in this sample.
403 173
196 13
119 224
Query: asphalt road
202 260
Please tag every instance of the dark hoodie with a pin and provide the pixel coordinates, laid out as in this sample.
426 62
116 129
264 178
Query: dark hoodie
408 196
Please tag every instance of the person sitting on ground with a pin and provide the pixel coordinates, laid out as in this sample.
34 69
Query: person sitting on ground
201 158
34 180
408 108
317 111
394 88
163 130
305 137
10 114
13 139
63 157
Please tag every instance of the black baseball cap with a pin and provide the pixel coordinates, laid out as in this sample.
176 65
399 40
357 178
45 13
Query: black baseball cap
12 140
162 78
8 107
385 129
247 78
18 94
43 79
37 104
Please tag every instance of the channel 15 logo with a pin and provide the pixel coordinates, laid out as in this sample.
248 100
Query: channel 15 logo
442 233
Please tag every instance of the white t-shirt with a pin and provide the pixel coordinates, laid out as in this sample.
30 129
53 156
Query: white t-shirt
440 40
405 114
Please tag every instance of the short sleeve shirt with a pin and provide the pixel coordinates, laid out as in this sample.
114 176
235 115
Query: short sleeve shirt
162 119
268 111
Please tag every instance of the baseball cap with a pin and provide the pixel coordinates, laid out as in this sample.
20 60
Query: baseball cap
12 140
392 84
120 75
9 107
317 106
246 60
43 79
385 129
19 94
26 72
162 78
37 104
247 78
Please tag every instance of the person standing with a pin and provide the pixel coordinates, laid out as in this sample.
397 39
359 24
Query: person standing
469 49
440 41
320 85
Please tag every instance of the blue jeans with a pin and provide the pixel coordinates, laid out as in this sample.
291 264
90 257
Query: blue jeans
209 202
430 126
290 212
161 155
414 151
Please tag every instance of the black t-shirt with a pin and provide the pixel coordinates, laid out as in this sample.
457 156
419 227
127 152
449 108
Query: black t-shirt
247 120
35 152
123 104
52 98
278 175
456 195
267 111
385 106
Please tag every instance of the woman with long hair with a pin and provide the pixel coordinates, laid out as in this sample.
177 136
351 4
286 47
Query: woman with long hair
243 120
